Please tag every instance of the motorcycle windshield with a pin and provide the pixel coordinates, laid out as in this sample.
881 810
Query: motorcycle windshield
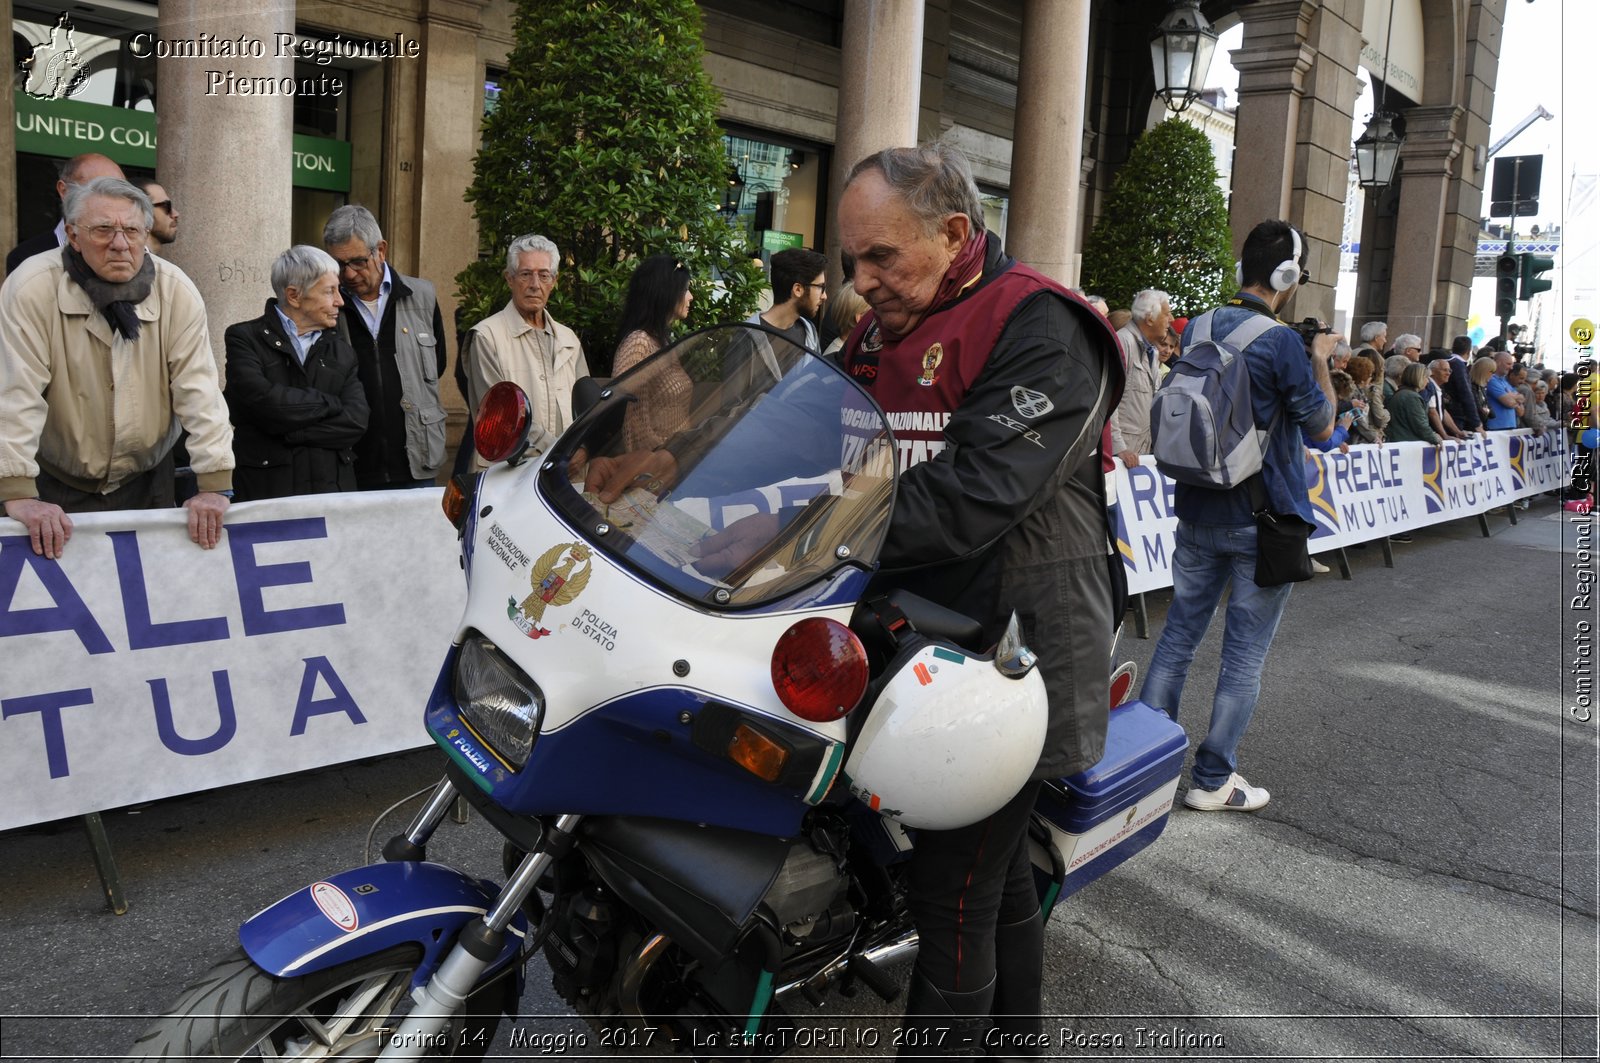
734 467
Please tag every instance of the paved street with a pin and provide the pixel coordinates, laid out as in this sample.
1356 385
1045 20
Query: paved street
1422 885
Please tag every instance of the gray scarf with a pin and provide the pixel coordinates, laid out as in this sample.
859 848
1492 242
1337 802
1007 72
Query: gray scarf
115 301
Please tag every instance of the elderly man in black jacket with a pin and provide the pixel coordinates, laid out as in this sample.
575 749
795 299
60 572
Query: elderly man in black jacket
293 390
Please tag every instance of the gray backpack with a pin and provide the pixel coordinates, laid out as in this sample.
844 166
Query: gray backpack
1201 420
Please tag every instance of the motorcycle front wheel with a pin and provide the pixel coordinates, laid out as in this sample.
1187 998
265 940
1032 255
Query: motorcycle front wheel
346 1012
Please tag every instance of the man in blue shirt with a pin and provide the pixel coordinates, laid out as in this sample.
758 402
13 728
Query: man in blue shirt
1216 537
1505 402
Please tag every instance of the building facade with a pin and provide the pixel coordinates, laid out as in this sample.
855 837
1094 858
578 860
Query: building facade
1046 97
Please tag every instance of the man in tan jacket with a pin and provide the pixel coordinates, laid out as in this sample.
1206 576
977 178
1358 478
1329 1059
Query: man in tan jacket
1130 424
100 346
522 343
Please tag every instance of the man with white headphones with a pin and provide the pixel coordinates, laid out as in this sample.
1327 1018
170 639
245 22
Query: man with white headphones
1216 537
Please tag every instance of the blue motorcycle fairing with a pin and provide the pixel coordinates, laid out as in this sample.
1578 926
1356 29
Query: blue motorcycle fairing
368 909
632 756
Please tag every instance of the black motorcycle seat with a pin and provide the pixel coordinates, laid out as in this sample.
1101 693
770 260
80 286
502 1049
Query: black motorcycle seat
926 618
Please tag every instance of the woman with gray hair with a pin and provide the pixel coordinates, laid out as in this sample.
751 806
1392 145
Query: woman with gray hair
293 388
1393 366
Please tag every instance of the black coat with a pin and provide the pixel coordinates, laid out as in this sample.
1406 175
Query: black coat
294 426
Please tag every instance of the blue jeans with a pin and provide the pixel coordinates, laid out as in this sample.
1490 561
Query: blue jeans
1206 558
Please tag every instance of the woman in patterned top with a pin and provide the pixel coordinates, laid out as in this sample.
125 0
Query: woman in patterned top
658 297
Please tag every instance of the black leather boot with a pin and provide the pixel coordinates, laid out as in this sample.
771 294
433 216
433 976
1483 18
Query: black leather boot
944 1025
1019 970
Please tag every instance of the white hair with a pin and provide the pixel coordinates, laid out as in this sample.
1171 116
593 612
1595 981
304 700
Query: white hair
78 197
1372 330
1148 303
300 267
531 243
1404 340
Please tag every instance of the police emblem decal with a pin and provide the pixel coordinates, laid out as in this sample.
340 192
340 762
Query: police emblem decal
554 582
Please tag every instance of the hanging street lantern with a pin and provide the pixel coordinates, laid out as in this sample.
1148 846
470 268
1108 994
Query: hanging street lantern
1180 51
1378 151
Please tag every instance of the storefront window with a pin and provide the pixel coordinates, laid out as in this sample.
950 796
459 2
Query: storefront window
996 208
492 81
774 191
90 86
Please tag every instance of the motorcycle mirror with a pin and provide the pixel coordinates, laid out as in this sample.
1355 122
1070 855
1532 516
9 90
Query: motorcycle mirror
586 394
1012 658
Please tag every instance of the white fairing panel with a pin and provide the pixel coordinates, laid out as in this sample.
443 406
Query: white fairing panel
588 631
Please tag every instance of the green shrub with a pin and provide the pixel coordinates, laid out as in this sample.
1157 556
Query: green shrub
604 139
1165 225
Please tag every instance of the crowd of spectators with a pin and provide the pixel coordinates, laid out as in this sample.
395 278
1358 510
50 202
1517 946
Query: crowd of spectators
336 385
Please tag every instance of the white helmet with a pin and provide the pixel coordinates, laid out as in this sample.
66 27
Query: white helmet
950 739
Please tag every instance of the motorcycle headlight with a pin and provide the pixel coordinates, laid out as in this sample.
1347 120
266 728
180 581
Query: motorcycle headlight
498 700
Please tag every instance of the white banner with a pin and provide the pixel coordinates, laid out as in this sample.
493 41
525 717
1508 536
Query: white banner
1368 493
139 666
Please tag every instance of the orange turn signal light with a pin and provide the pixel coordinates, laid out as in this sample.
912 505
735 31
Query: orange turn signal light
454 503
756 753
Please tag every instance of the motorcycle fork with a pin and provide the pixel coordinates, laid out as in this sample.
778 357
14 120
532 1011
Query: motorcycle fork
480 943
413 844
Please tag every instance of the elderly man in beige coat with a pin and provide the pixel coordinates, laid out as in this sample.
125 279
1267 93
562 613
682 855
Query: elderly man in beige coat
1130 425
104 354
522 343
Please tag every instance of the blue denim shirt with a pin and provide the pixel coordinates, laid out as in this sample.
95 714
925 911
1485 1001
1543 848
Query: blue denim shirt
1280 379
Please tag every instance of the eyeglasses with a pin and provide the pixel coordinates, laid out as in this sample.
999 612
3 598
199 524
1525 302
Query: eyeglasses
354 263
528 276
104 234
165 204
813 284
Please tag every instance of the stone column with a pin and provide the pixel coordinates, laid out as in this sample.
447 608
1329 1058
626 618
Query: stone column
1047 146
8 142
1297 86
1428 161
879 88
444 233
226 157
1272 66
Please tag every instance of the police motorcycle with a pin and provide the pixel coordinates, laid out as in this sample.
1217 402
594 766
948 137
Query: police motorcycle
707 754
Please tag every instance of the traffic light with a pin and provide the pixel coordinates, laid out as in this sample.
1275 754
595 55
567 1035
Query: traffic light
1532 267
1507 268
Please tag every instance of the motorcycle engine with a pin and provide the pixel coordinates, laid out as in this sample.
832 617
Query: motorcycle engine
805 896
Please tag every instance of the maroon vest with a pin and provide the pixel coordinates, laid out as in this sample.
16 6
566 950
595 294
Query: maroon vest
921 378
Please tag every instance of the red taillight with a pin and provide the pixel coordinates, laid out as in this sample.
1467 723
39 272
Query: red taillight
501 427
819 669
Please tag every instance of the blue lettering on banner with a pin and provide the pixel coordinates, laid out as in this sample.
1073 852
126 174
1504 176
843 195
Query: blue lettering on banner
227 721
142 633
341 701
70 612
1365 468
49 707
254 577
1155 554
1152 493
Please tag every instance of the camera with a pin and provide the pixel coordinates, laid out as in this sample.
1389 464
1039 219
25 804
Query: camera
1310 328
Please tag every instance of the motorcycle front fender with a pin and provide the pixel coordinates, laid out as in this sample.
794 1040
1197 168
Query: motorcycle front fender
368 909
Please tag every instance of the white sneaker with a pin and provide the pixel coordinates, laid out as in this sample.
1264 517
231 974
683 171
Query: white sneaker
1235 795
1319 568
